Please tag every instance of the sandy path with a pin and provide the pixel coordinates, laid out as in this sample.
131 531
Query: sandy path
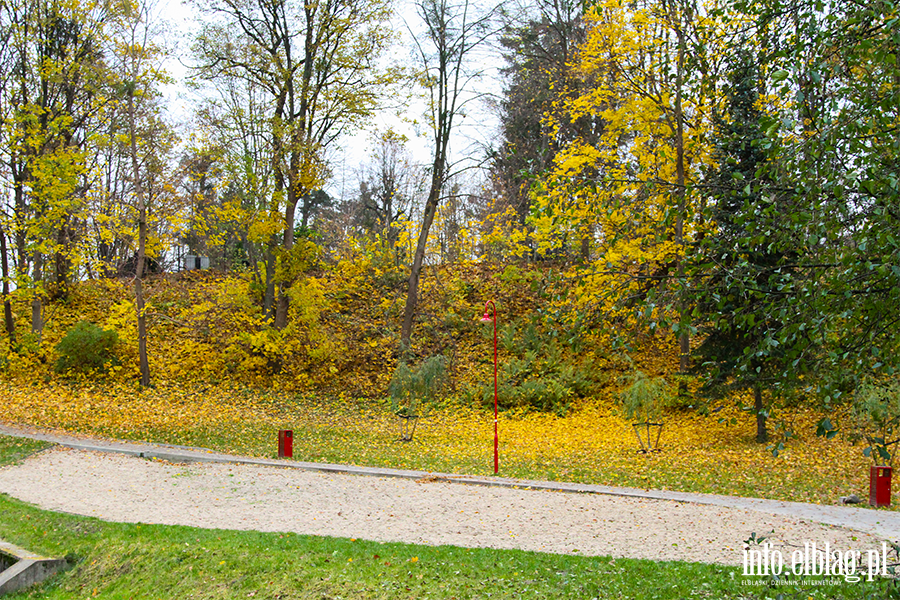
227 496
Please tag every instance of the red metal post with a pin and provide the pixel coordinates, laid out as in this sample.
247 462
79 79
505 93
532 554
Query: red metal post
880 486
285 443
493 318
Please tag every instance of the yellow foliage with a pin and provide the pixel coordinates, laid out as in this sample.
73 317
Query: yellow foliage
503 235
593 444
620 196
209 340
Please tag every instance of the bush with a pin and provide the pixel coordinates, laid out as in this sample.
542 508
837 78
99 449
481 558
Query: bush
645 398
539 375
413 391
876 410
86 348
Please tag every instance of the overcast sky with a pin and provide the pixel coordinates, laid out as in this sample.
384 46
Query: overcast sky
475 130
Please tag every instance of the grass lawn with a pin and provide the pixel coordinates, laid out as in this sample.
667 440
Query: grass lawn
112 560
592 444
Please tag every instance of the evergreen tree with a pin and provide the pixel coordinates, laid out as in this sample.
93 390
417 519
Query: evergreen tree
538 54
740 266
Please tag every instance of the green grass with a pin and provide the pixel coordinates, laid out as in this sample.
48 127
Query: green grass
13 450
112 560
151 561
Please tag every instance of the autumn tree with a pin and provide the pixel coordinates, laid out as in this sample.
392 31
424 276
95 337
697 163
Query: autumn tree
140 73
647 70
54 78
453 32
312 66
539 55
388 187
5 210
235 129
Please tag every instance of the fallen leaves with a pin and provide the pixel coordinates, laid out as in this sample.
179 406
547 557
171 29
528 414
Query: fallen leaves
593 444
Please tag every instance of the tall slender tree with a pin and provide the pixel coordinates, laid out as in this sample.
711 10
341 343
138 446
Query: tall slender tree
140 72
314 65
453 33
647 73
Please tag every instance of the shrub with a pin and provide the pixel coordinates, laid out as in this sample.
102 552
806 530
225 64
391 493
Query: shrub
876 410
413 390
645 398
86 348
538 373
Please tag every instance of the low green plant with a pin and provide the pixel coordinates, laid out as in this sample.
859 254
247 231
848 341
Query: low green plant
86 348
414 390
876 409
645 398
13 450
540 375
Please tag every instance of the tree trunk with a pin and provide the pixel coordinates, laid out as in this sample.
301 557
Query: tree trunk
684 340
412 294
585 247
142 250
282 306
269 297
761 435
62 265
37 320
20 230
283 303
141 317
9 324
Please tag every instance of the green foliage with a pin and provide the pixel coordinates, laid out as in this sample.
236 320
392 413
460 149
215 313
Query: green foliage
810 244
540 374
413 391
876 409
645 398
86 348
739 266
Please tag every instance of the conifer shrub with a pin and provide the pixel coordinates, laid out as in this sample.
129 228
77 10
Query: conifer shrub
86 348
414 389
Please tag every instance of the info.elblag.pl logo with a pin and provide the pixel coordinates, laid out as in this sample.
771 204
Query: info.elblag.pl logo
811 561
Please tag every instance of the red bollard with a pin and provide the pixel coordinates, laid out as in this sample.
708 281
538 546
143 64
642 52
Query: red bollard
285 443
880 486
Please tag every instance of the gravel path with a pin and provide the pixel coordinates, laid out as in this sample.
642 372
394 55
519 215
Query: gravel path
232 496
